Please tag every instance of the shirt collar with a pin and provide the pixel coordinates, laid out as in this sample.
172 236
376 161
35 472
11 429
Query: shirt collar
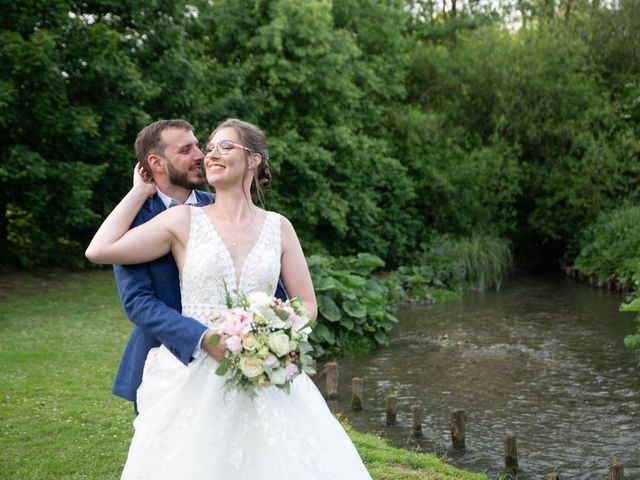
166 199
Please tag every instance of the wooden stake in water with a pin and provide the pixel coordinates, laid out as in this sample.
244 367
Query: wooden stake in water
616 470
416 416
458 420
391 407
331 371
356 394
510 451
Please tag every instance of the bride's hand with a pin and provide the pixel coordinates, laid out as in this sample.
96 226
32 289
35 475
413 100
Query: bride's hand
142 178
216 351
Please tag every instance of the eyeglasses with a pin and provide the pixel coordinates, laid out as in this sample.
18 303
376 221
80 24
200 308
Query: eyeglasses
223 147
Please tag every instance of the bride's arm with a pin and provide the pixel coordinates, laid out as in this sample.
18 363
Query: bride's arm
294 270
115 243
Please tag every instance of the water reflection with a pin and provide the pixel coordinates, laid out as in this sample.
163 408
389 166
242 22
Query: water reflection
543 357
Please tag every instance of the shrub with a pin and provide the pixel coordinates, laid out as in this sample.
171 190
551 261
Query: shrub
610 246
355 308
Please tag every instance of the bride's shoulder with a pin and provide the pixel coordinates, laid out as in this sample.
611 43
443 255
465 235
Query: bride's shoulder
284 221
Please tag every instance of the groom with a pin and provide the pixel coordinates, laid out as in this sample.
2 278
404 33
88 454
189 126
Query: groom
150 292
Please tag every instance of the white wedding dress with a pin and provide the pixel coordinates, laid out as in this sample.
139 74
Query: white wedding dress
189 428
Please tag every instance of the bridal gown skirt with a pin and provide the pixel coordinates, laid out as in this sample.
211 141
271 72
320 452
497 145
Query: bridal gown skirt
189 428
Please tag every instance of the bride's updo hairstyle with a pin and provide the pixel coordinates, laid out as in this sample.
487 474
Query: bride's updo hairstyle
254 139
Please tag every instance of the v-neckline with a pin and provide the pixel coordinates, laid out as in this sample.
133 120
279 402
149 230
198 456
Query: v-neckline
237 280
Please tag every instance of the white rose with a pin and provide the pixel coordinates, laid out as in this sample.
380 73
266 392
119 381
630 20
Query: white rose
251 366
278 376
249 342
259 298
279 343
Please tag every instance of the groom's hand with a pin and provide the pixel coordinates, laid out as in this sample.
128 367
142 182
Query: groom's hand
216 351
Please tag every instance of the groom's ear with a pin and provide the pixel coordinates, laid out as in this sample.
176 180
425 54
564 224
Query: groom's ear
155 163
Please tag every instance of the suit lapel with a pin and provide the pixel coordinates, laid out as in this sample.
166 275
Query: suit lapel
204 198
155 205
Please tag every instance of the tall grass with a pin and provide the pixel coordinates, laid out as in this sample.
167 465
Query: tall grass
485 260
478 262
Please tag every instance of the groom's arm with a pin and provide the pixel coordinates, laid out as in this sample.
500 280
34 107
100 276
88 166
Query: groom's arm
180 334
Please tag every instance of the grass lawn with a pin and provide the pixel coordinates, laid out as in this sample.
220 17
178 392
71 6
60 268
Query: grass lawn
61 337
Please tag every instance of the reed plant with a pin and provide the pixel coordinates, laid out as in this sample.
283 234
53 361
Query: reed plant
478 262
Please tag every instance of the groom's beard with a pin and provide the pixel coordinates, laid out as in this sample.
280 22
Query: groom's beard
181 179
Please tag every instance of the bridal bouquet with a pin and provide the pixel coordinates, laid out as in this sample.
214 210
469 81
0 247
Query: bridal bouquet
267 342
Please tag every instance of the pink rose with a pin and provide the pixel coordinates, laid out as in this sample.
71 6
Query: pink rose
296 322
271 361
291 371
234 344
236 320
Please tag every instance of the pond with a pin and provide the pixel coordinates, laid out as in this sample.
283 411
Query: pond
543 357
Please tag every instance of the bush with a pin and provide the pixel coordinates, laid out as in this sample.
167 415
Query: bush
633 341
610 246
355 309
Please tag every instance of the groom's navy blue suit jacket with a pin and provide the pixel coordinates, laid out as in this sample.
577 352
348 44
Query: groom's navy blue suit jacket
150 294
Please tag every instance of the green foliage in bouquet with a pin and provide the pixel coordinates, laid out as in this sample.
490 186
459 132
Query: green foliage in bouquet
355 308
266 342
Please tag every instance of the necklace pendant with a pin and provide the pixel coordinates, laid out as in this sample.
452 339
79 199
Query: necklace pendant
234 244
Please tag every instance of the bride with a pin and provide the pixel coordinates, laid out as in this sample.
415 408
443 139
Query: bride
188 426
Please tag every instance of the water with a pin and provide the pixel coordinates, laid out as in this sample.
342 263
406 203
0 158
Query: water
544 358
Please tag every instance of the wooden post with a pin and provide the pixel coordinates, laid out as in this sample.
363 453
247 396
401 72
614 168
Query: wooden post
416 416
616 470
458 419
391 407
331 371
510 451
356 393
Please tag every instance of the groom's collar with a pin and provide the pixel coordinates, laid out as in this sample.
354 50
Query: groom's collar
192 199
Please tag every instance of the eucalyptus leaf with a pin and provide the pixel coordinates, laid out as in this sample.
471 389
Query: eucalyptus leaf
223 367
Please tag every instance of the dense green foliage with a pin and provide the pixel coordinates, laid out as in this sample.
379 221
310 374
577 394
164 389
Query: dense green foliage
355 309
478 262
633 341
610 247
389 121
59 418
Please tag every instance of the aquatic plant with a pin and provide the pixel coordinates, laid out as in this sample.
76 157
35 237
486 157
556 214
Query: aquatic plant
478 262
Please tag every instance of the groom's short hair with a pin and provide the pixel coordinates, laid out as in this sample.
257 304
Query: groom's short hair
149 139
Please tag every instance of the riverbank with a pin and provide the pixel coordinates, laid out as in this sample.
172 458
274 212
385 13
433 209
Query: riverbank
61 336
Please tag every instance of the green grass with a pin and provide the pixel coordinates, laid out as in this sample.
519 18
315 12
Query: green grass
61 337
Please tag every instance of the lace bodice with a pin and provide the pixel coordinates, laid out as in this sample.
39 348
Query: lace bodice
208 270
